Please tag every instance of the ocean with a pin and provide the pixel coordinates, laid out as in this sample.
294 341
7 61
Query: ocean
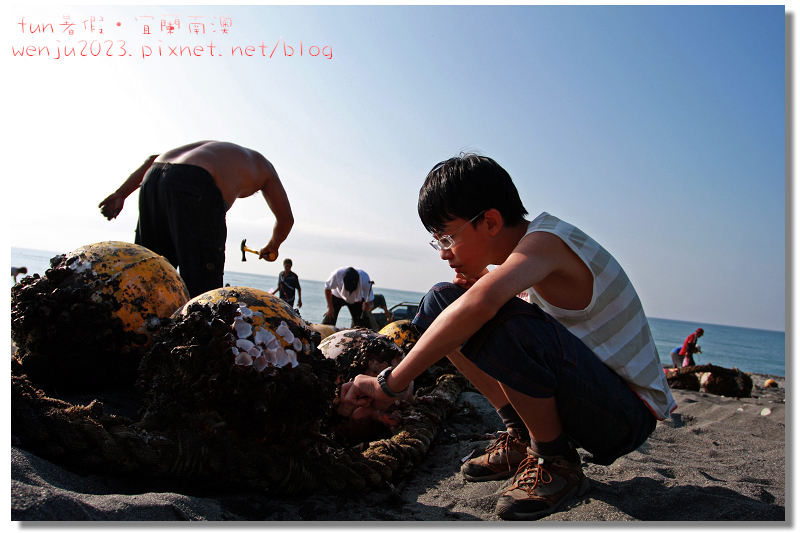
749 350
314 304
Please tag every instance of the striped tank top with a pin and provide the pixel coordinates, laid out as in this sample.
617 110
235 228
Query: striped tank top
614 325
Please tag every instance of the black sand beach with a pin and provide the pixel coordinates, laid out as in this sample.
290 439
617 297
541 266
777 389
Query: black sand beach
715 459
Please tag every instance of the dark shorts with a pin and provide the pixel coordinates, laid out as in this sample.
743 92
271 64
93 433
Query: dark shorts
182 217
355 312
378 302
529 351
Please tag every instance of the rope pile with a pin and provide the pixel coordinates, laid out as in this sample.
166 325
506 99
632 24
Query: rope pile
199 452
713 379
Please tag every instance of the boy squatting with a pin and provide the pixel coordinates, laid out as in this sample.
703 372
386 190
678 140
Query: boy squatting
574 366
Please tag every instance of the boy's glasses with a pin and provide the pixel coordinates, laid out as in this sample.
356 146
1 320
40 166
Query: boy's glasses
445 242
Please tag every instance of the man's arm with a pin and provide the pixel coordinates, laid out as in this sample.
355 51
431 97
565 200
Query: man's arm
329 298
111 206
278 202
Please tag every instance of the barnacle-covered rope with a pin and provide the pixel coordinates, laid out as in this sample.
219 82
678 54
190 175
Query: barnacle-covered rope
207 418
200 450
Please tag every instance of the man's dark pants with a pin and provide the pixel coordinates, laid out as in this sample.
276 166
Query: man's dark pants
182 217
355 312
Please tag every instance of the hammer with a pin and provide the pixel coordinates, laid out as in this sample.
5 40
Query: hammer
364 313
244 249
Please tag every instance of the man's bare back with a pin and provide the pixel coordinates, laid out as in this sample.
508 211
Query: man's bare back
238 172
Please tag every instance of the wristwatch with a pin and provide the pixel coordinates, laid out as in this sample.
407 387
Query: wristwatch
385 388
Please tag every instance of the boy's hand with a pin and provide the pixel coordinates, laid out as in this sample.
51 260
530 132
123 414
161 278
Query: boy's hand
464 282
365 394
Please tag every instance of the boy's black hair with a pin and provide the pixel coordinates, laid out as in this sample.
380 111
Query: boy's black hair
462 187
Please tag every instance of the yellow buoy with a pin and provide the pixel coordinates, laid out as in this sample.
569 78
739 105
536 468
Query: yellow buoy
325 330
142 282
263 312
770 383
87 323
244 355
402 332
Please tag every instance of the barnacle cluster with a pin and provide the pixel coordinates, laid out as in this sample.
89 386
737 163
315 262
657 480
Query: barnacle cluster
235 393
260 347
233 354
360 351
88 321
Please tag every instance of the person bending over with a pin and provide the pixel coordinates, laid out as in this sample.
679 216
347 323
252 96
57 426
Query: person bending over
554 337
185 194
690 348
350 287
379 302
16 271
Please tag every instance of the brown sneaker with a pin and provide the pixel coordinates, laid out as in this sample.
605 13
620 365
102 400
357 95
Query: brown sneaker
541 486
501 460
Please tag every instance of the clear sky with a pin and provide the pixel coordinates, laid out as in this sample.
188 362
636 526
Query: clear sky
660 131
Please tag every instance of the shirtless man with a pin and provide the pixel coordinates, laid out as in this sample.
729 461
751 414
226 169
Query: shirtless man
185 194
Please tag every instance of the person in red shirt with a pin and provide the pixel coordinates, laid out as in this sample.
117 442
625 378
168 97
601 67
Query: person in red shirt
690 347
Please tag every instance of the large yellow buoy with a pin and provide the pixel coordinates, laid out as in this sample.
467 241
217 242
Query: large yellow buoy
262 319
324 330
245 355
142 282
86 324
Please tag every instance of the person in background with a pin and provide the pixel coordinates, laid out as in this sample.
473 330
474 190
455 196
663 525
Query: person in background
16 271
677 360
351 287
288 283
379 302
573 366
184 197
690 348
